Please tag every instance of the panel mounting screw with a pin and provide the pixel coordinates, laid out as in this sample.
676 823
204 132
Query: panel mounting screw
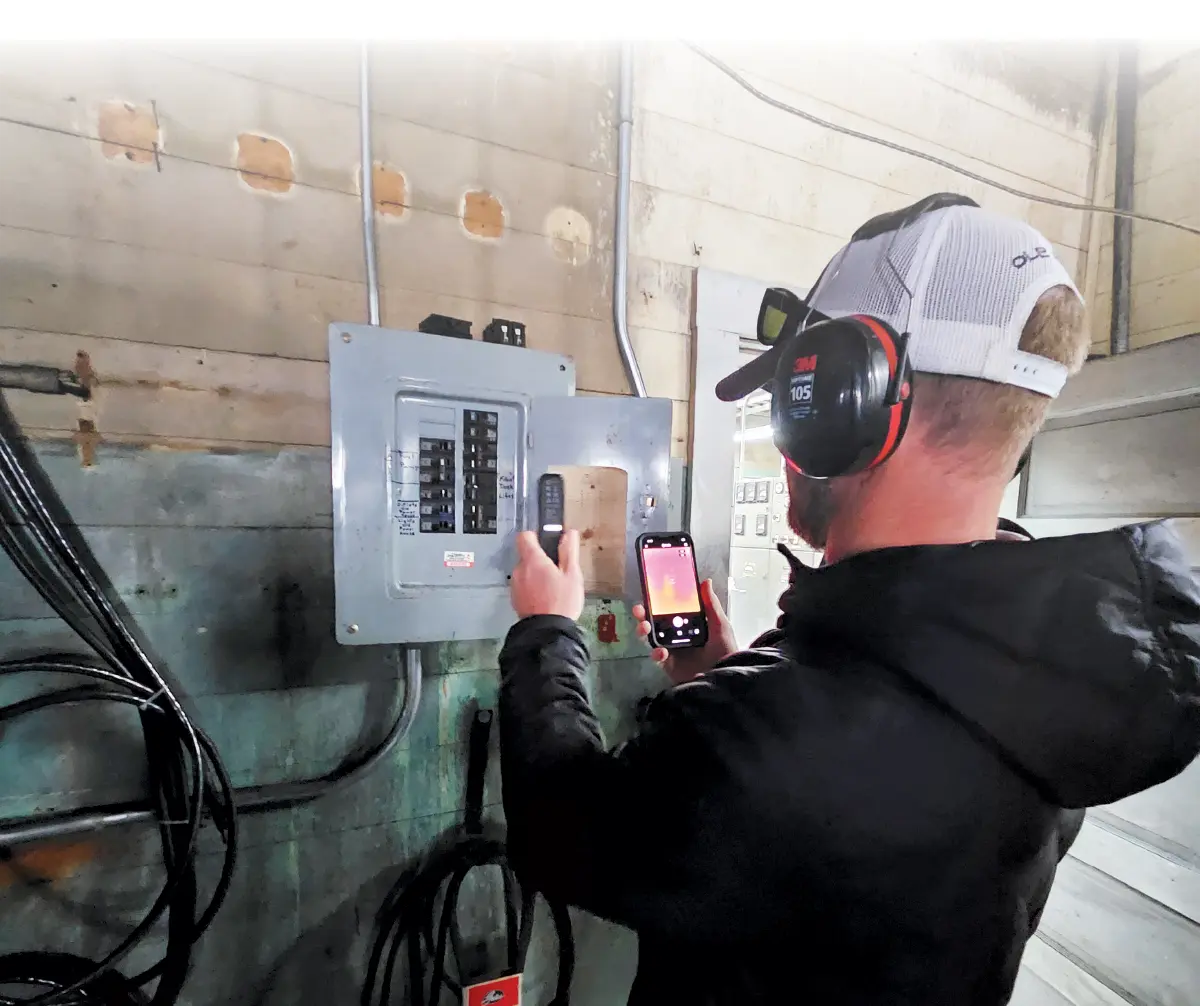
345 337
352 628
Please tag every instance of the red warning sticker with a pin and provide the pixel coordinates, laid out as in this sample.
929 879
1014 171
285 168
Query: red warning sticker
497 992
458 560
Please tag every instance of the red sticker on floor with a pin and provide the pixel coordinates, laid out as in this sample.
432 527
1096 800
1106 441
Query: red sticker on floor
498 992
606 628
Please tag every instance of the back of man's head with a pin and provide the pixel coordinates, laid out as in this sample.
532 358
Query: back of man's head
983 426
995 322
995 326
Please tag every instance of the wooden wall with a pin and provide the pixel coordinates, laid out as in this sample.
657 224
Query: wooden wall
190 220
180 224
131 234
727 181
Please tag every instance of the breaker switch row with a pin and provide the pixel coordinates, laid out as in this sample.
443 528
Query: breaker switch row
436 458
480 468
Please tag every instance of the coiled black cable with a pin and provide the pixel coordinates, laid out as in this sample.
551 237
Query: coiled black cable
410 915
42 970
186 775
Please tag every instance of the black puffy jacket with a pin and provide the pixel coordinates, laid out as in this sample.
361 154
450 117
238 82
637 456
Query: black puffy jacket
867 806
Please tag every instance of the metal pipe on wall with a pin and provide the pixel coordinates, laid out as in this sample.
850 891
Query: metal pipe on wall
621 236
276 796
367 187
247 799
1122 259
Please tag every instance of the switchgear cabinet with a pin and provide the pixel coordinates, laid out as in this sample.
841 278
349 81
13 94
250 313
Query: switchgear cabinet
437 446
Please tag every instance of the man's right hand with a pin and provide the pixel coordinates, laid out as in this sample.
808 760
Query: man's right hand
684 664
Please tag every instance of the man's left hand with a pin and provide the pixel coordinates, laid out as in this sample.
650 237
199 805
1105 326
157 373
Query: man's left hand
539 587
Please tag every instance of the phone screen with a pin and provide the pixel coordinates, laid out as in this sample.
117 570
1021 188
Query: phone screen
672 590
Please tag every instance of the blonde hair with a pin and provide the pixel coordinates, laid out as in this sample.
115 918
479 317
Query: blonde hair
990 423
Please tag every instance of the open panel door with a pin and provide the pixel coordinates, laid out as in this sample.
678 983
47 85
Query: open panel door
604 447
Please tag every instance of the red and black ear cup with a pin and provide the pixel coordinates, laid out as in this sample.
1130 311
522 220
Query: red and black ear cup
841 396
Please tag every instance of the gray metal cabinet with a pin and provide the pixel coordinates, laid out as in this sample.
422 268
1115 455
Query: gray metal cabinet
750 593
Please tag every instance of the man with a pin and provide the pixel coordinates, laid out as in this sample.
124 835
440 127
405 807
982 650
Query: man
868 806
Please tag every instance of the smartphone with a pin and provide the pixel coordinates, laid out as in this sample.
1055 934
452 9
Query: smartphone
671 587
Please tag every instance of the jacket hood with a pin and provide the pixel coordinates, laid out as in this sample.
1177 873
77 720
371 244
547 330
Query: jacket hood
1077 658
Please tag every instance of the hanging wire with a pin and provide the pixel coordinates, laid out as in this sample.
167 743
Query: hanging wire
1065 204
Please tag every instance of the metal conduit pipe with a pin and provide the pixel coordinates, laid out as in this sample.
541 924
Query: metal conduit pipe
248 799
367 156
277 796
621 236
1122 258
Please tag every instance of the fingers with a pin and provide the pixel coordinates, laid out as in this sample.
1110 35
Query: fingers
568 551
529 549
659 655
711 601
640 617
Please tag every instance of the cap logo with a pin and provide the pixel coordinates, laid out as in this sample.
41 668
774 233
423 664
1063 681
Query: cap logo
1022 260
805 364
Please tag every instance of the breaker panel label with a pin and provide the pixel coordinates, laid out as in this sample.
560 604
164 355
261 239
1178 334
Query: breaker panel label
458 560
407 516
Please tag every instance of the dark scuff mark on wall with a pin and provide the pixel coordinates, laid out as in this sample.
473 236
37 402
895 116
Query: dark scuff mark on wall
1057 78
293 638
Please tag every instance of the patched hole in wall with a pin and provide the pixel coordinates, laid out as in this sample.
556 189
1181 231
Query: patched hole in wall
595 504
128 132
570 235
87 439
483 215
264 163
389 190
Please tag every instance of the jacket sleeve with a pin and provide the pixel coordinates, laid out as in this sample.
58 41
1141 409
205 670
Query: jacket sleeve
606 830
1070 823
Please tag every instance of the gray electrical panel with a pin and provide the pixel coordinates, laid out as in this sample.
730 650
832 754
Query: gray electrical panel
437 446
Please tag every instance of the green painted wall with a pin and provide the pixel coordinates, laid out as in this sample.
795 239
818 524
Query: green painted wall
226 562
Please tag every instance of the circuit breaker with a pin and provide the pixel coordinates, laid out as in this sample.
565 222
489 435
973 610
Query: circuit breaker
437 447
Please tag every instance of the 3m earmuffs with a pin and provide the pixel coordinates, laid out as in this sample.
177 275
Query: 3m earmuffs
841 388
841 393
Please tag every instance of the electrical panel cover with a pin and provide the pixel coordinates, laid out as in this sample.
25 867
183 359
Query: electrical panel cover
437 445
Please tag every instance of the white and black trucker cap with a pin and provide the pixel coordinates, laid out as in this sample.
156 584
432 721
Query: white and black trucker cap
974 278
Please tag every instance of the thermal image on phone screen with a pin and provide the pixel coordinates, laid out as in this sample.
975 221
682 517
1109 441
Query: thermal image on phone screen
670 580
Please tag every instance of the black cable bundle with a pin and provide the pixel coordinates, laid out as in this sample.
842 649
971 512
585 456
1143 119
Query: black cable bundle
410 910
185 772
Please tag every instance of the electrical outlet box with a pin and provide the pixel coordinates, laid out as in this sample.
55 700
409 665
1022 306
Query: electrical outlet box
437 447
